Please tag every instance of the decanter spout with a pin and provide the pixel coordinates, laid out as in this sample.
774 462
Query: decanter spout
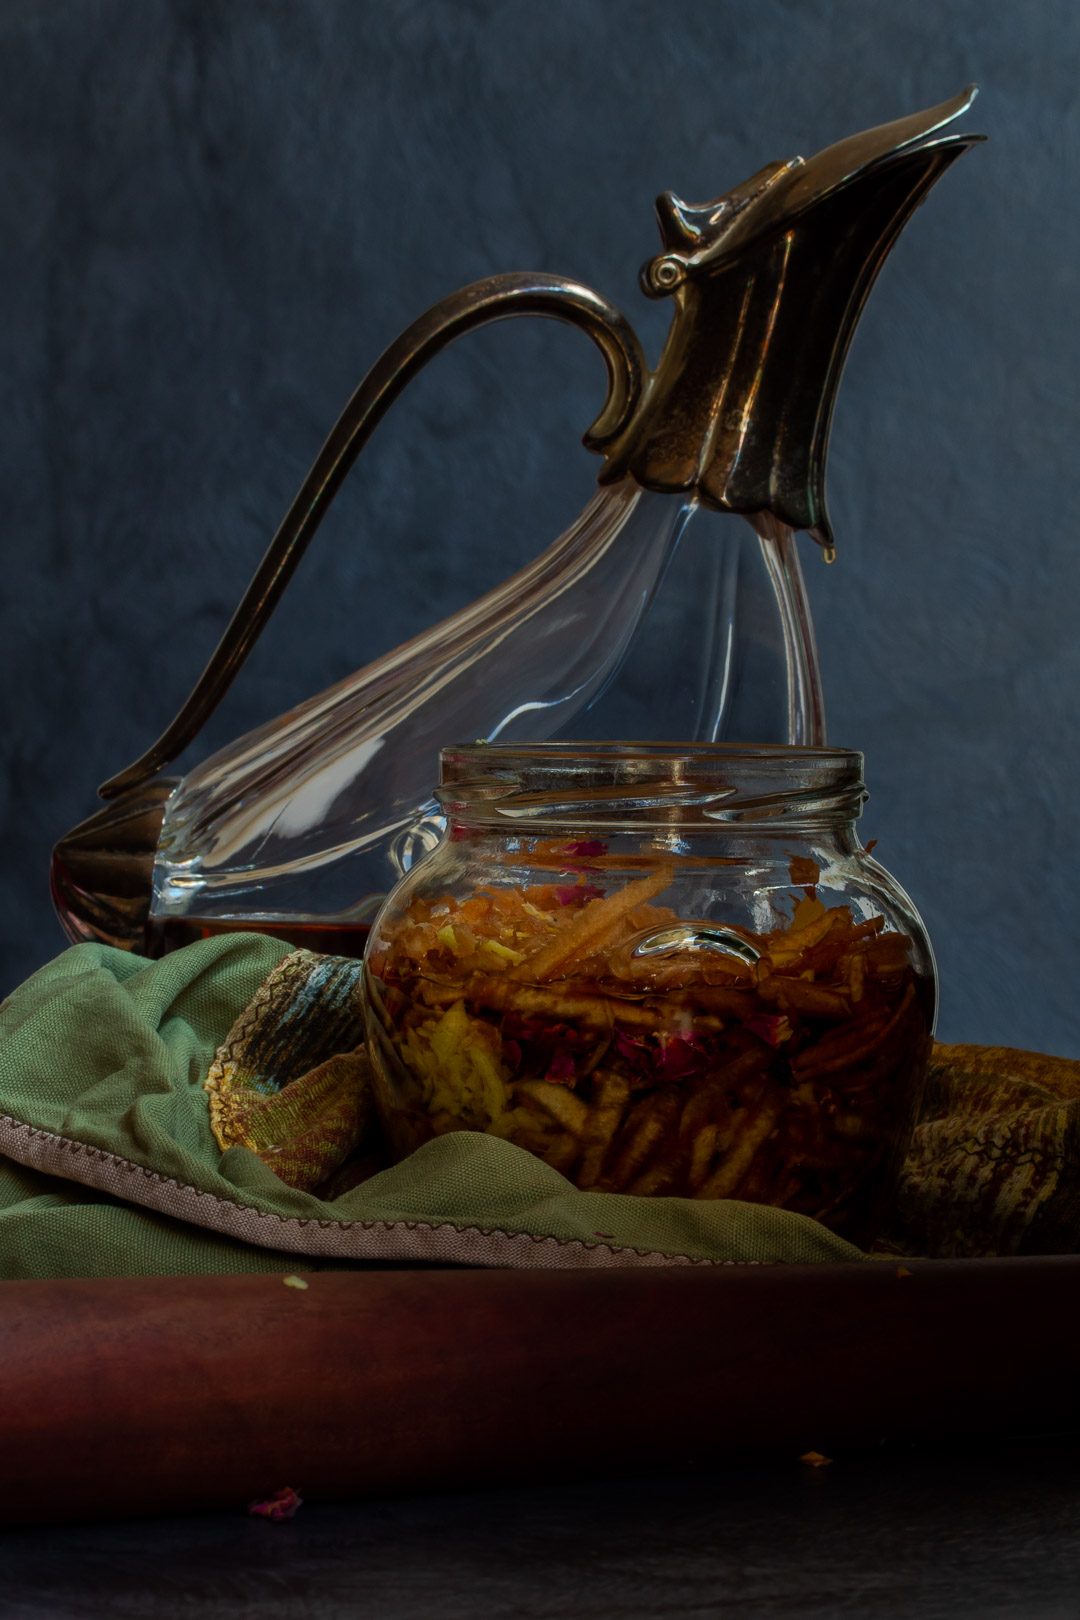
768 283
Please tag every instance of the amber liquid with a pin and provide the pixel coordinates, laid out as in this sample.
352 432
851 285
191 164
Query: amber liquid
324 935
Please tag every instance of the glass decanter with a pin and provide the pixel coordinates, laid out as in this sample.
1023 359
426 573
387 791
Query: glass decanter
673 609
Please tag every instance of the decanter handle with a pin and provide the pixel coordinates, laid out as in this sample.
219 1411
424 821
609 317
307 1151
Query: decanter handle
493 299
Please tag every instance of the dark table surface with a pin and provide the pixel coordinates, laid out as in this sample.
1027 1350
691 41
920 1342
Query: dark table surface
991 1530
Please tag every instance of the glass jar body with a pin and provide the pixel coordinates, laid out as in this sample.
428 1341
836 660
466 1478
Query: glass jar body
662 977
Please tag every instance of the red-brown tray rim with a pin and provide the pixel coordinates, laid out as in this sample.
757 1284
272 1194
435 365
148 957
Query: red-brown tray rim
149 1395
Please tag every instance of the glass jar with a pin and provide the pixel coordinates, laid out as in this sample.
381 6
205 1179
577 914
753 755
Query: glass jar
664 970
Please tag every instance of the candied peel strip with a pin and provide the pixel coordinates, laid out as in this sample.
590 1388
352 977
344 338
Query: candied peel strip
648 1123
701 1154
852 1047
700 1108
798 995
856 976
888 954
556 1147
592 926
654 1180
756 1131
605 1117
503 994
785 949
558 1103
677 971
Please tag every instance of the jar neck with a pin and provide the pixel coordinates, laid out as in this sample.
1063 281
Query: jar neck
668 794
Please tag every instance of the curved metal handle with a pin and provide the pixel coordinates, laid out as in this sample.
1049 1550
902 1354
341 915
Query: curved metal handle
492 299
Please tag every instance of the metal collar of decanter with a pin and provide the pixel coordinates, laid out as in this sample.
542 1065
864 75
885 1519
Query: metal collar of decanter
768 283
631 787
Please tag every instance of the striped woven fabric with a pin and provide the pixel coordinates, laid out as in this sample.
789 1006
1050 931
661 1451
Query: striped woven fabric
994 1167
291 1080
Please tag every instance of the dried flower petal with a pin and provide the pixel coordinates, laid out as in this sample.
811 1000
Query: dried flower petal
282 1505
576 894
635 1050
511 1051
680 1056
562 1070
772 1028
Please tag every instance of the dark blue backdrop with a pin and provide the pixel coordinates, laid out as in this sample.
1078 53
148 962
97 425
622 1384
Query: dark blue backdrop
214 216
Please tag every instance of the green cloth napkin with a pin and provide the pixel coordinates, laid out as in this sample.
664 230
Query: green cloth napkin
109 1165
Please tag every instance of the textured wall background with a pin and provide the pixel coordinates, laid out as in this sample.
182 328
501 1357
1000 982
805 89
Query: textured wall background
215 213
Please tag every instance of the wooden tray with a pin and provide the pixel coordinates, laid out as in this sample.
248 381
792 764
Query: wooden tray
139 1396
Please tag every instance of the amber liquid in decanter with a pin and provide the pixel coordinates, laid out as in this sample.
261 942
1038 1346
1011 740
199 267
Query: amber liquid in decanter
328 938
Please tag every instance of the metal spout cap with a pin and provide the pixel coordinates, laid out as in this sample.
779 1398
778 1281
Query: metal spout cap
768 283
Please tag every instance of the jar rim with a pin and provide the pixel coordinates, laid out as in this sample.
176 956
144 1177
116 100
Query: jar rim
554 786
482 753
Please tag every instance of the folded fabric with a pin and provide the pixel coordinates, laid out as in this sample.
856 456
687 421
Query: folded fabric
994 1167
110 1165
991 1169
208 1113
292 1081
